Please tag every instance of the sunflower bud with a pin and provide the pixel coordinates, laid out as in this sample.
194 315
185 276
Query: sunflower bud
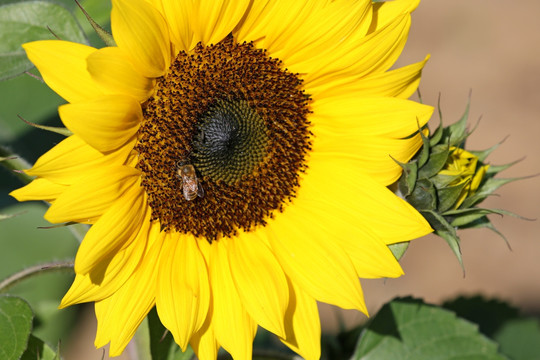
460 177
446 183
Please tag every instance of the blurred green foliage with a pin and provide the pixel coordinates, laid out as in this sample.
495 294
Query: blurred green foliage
22 244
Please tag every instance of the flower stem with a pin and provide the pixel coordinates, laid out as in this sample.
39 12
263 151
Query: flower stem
34 270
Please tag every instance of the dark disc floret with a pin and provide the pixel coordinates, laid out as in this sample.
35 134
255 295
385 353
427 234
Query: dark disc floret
240 119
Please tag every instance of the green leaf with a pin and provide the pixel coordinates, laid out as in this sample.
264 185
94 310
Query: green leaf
37 349
160 337
489 314
520 339
15 326
408 329
29 21
162 345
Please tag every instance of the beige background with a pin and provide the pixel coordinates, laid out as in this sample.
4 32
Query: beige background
492 48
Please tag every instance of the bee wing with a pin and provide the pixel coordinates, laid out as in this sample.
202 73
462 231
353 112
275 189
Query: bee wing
200 190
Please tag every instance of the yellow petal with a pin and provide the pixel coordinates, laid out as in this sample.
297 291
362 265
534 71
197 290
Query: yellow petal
93 195
374 53
400 83
72 159
368 253
140 31
272 23
368 203
309 40
109 275
388 117
249 28
112 69
386 11
234 328
213 20
116 228
306 251
204 342
105 123
120 315
302 324
62 65
39 189
183 294
179 15
263 292
375 155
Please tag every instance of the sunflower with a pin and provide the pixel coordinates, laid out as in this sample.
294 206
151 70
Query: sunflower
233 158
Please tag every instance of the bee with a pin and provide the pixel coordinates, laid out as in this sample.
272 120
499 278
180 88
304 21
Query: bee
189 183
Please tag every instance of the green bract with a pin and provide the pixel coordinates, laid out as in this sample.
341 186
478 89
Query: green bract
446 183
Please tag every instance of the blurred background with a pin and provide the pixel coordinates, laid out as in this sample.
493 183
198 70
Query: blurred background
493 51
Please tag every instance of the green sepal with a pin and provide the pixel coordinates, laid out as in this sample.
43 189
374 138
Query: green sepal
485 223
448 196
453 241
55 129
424 196
441 181
456 134
436 137
437 160
398 249
407 182
423 157
483 154
445 230
103 34
495 169
14 163
470 216
485 190
9 216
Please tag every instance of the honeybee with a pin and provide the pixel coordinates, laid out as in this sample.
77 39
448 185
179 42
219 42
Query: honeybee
189 183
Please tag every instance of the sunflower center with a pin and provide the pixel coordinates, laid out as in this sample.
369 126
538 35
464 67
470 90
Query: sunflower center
231 141
224 140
